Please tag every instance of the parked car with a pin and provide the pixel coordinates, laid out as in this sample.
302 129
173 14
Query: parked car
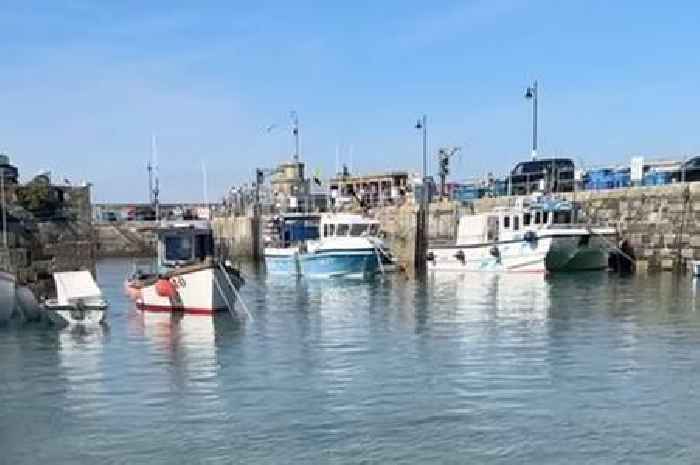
689 171
552 175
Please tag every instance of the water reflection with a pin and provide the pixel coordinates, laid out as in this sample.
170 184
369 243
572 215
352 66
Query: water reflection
487 296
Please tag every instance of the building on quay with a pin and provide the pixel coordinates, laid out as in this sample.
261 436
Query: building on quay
372 189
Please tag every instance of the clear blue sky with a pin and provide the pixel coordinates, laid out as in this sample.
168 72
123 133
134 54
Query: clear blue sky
84 85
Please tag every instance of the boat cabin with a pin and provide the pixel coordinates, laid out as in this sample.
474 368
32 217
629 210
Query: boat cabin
184 244
348 225
508 224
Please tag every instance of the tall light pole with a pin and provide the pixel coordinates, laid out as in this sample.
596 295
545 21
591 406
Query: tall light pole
422 223
531 94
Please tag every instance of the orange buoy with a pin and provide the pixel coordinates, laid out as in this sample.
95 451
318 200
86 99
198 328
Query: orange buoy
165 288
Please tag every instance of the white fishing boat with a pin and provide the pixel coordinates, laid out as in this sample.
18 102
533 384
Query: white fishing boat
346 245
7 296
188 277
536 236
78 302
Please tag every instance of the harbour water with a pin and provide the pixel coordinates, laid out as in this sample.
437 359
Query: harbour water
579 368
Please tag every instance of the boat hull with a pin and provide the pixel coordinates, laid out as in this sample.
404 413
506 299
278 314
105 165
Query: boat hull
201 292
578 253
546 254
321 264
74 316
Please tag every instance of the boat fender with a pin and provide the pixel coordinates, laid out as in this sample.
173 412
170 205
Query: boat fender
530 236
164 288
460 256
430 257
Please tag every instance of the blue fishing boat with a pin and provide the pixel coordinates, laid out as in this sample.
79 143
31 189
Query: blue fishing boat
347 246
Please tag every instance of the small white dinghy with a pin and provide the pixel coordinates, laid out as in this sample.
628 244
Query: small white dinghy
78 301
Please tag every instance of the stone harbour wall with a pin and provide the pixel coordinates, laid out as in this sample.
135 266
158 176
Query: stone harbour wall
233 236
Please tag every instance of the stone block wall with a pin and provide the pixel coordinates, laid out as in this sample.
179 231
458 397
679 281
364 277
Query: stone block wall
233 236
125 239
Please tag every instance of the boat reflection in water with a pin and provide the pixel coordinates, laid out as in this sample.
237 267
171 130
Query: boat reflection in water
81 358
490 296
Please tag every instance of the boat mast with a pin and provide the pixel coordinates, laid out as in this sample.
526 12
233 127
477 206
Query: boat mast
156 189
295 132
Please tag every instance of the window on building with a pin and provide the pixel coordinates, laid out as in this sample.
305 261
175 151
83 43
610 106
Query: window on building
545 217
506 222
331 229
527 218
516 223
562 217
358 229
343 229
538 217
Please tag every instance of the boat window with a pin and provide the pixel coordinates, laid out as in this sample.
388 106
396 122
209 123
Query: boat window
538 217
492 229
374 230
343 229
545 217
178 248
516 223
506 222
358 229
562 217
527 218
204 247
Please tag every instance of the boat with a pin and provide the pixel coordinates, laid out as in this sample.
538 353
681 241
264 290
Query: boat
536 235
346 245
7 296
187 277
78 302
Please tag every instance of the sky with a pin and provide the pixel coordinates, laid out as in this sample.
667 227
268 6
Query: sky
85 84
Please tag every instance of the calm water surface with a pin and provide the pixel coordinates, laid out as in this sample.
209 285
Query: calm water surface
584 368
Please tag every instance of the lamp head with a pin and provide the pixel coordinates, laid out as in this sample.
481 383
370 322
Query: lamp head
529 93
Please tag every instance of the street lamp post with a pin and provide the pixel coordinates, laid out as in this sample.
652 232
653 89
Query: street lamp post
421 126
531 94
422 226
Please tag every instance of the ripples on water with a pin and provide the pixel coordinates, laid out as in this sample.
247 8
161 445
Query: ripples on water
582 368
